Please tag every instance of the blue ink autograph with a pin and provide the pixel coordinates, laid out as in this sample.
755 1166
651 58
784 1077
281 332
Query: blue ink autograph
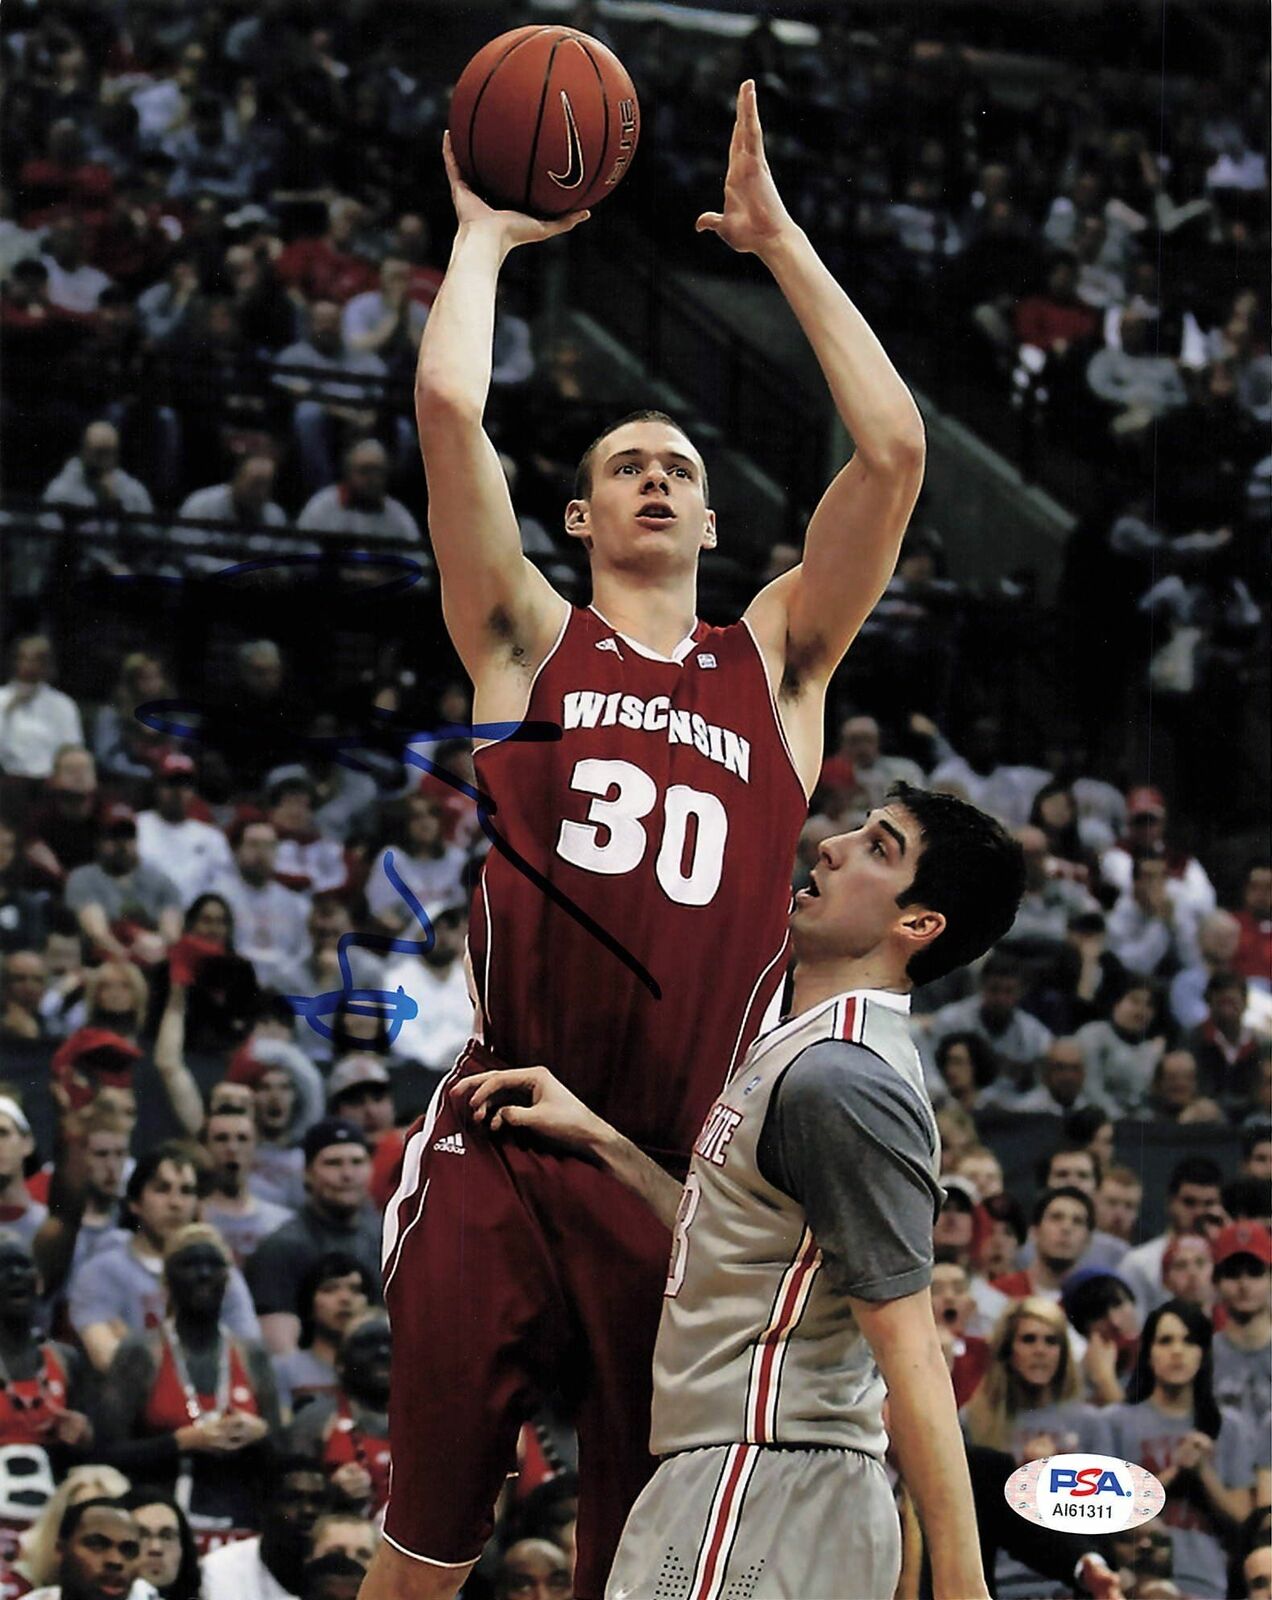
212 727
395 1004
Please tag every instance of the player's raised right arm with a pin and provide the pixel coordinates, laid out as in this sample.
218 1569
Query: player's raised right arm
493 599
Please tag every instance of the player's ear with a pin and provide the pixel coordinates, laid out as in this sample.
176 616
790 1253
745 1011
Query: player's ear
918 927
709 531
576 521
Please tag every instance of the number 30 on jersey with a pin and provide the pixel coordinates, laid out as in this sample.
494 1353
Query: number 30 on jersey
615 836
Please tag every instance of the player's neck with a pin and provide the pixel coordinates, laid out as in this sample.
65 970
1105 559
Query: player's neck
657 612
819 981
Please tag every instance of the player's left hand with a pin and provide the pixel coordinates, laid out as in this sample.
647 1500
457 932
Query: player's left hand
754 216
530 1097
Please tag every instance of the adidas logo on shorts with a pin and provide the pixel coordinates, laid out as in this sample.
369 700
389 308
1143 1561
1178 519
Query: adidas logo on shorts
451 1145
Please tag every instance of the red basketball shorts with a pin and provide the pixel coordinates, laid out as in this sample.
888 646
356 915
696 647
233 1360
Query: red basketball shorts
512 1273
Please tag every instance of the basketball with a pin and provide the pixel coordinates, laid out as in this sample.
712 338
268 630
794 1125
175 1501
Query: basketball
545 120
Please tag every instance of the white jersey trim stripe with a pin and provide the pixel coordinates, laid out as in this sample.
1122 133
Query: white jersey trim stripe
412 1160
734 1059
722 1522
789 1304
426 1561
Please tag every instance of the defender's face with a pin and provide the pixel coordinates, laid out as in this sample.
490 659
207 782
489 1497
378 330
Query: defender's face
647 503
850 904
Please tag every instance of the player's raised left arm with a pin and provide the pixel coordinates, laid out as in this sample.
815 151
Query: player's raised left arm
810 617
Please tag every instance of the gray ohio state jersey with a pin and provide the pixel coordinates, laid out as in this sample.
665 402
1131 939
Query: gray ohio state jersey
758 1344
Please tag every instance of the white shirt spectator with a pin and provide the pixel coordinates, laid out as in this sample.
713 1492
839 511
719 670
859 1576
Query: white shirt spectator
328 512
358 363
34 727
236 1571
513 355
78 290
1006 792
445 1021
1022 1042
191 853
1143 943
1192 887
71 487
429 878
269 924
365 312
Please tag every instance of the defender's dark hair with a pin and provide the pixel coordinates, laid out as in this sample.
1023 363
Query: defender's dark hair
1141 1384
1064 1191
583 472
970 869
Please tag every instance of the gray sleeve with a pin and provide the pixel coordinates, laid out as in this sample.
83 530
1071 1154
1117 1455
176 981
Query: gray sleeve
83 887
851 1141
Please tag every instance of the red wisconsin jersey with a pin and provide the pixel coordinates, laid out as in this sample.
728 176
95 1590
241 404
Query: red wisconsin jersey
668 813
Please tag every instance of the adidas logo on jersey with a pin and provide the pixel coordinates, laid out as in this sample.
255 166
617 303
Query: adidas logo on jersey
451 1145
609 644
706 659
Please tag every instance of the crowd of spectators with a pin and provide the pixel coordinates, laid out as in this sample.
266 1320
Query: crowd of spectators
216 257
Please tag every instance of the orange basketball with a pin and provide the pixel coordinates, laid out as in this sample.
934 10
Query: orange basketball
545 120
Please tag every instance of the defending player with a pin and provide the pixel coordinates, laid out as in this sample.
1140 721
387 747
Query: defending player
802 1246
668 813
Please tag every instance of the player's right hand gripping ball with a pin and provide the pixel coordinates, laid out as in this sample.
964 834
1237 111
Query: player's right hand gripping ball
545 120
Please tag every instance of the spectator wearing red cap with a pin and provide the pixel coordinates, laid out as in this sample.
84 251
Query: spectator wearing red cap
125 909
1253 959
189 852
1146 835
336 1215
1243 1350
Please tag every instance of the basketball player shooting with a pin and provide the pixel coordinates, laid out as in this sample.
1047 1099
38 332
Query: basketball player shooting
801 1254
667 814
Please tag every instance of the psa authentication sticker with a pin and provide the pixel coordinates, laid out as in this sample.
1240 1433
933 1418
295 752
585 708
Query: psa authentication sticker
1084 1493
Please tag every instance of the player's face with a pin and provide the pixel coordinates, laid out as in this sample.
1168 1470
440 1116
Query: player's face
850 906
647 504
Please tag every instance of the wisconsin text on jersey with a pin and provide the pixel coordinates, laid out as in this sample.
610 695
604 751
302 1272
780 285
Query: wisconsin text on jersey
591 708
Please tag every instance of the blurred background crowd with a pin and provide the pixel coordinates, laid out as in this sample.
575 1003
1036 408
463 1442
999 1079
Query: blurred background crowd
221 229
